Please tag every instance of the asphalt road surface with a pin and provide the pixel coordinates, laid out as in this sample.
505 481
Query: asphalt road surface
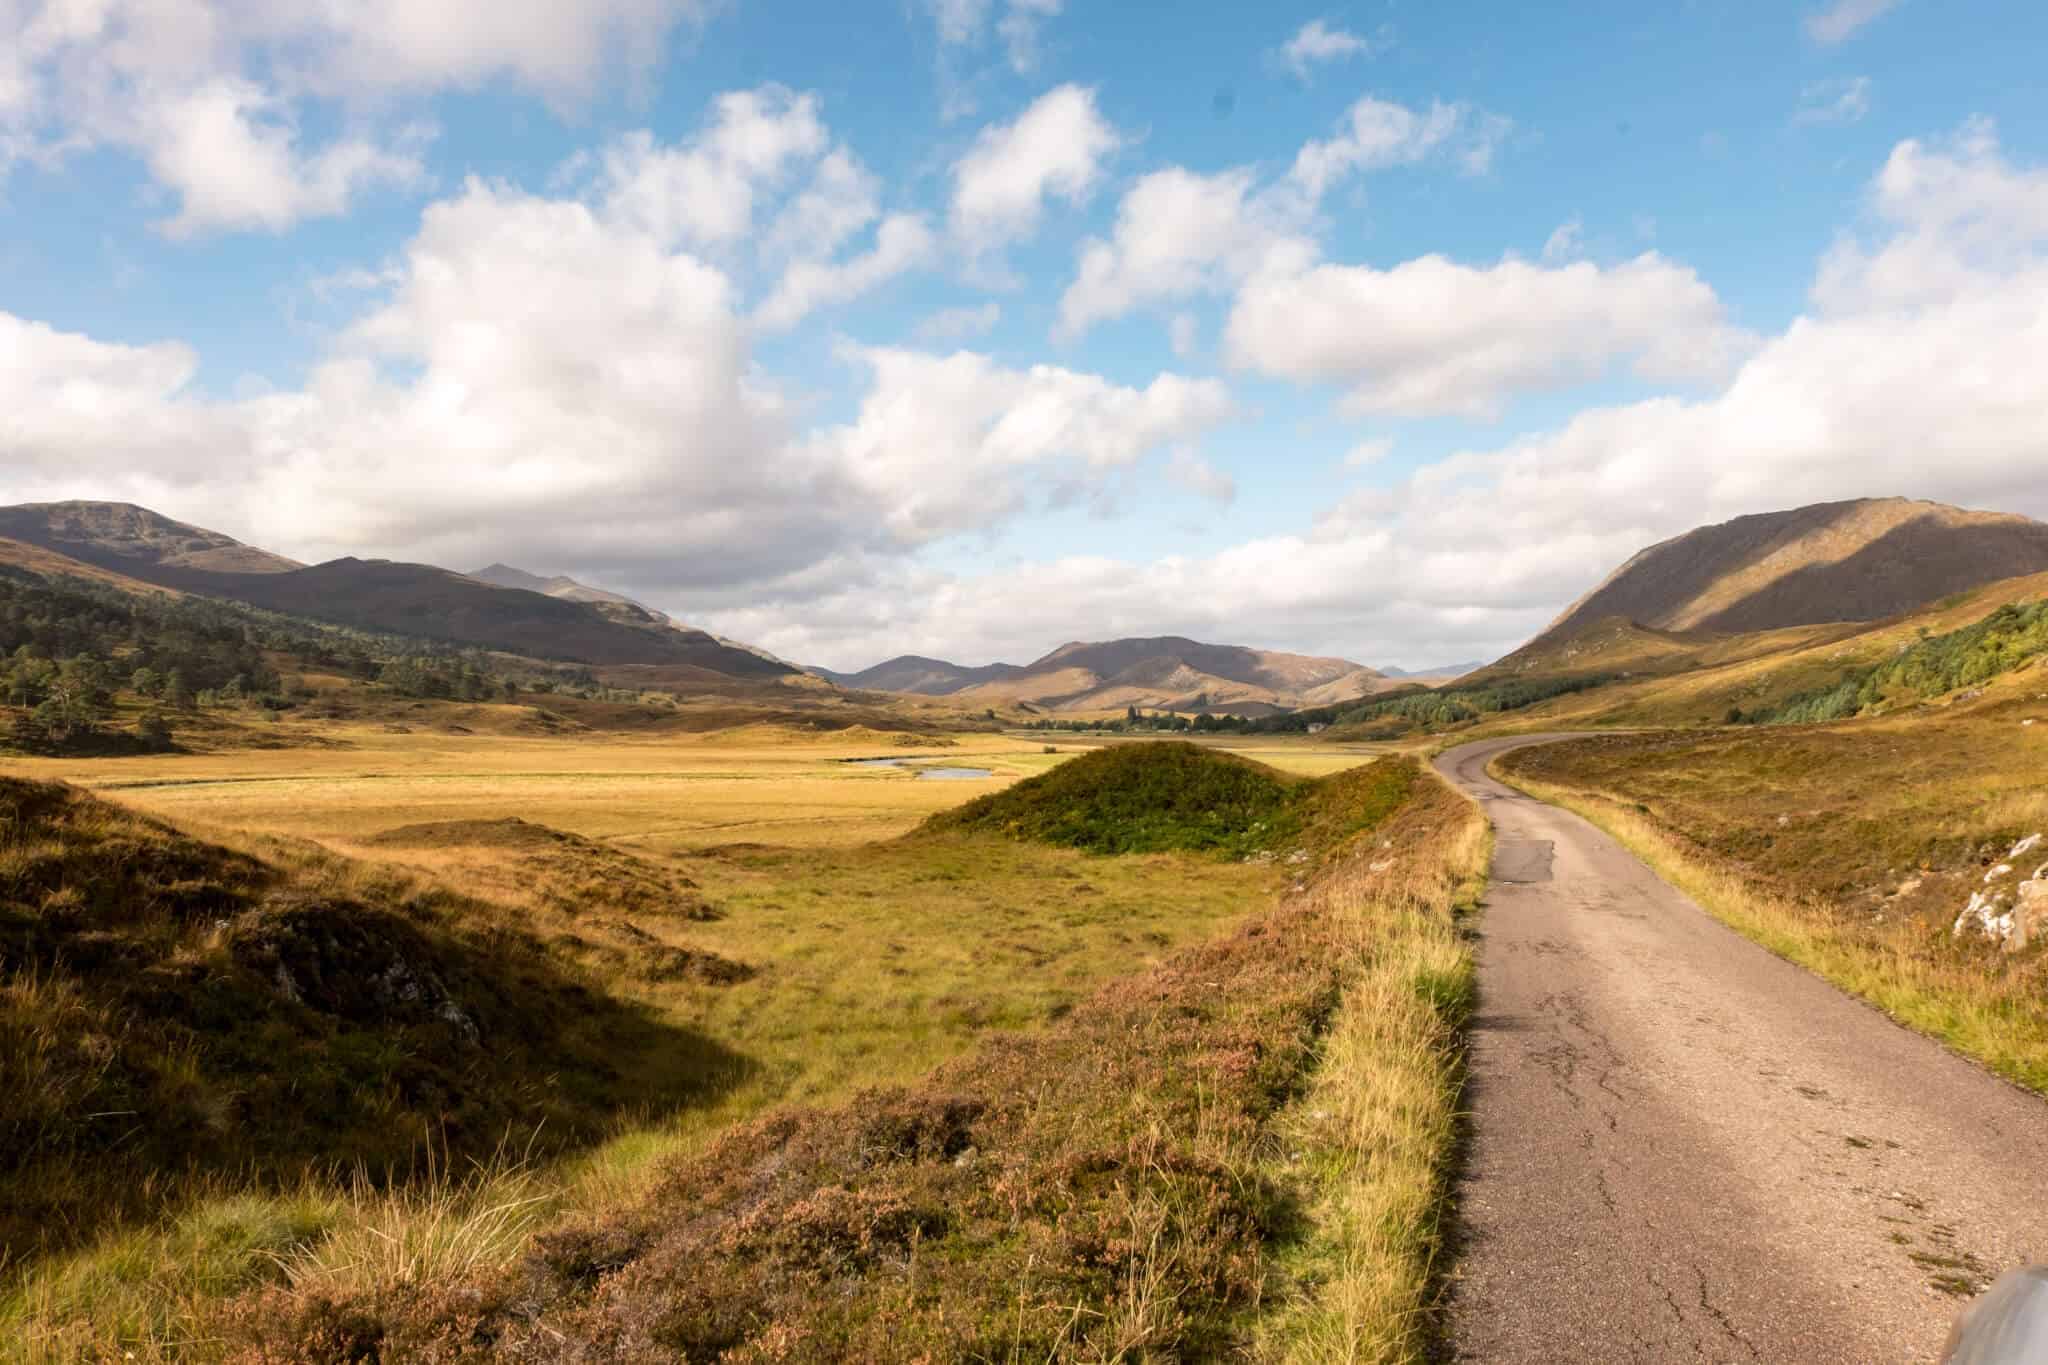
1686 1149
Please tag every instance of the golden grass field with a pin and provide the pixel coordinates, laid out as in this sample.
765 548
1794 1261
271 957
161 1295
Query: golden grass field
874 959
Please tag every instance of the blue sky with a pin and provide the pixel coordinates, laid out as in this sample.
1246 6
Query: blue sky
971 326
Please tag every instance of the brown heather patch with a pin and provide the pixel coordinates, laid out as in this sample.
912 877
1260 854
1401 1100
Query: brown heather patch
1116 1184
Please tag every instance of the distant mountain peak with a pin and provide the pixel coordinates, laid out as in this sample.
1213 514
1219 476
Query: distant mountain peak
1156 672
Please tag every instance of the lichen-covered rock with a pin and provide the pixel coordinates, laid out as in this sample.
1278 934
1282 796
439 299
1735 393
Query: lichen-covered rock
2011 908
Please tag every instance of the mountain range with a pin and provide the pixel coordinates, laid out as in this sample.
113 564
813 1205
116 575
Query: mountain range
1710 593
1166 672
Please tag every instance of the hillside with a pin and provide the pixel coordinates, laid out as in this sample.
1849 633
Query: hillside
133 540
1166 672
373 594
1824 564
263 1017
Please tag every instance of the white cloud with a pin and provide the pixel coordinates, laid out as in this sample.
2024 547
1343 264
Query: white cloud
210 94
903 242
1840 20
1184 334
1316 42
1020 31
238 165
541 374
703 191
957 324
944 442
1834 101
965 24
1432 336
1377 134
1053 150
1178 232
842 198
1917 373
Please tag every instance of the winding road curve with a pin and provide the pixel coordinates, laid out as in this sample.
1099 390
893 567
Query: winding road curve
1686 1149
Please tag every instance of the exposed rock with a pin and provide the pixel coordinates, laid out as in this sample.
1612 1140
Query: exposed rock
2010 909
343 959
2029 915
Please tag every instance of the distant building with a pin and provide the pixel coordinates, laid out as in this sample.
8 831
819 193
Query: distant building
1316 727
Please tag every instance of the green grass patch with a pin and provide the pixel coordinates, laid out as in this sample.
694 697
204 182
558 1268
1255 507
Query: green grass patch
1171 796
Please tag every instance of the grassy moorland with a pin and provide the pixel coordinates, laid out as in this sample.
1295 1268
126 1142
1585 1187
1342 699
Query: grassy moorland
1847 848
656 940
1239 1150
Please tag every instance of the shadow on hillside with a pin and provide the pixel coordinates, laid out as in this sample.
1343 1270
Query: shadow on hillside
176 1017
1917 562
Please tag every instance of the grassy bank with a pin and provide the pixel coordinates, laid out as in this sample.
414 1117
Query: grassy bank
1848 851
1371 1137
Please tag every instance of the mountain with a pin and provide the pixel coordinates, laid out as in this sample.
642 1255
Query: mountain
374 594
1166 672
1837 561
130 539
916 674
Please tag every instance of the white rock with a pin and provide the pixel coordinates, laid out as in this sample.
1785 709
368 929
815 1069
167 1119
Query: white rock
2002 870
2029 917
2025 846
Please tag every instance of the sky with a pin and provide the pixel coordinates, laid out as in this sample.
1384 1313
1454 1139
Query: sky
970 327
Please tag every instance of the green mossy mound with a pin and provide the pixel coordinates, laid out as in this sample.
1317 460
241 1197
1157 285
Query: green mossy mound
1170 796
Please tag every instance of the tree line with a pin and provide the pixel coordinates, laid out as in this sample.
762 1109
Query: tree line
70 648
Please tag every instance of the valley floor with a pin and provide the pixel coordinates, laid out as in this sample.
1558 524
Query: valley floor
749 888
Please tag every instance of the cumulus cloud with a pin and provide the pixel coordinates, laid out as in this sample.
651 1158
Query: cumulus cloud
1840 20
554 375
1055 149
903 242
1179 232
1431 336
951 443
234 154
1378 134
1916 373
1315 42
703 190
210 94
